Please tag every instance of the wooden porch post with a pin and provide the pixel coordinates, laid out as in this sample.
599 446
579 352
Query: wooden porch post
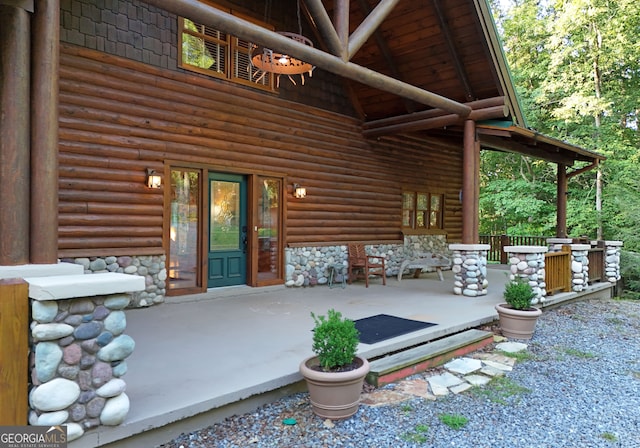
44 132
561 202
470 184
14 129
14 351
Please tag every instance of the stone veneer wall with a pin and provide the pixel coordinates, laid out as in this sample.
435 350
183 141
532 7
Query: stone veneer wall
151 267
77 362
308 266
527 263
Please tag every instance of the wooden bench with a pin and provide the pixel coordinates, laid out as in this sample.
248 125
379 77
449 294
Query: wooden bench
425 261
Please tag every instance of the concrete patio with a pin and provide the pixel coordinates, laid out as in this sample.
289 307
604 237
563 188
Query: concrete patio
203 357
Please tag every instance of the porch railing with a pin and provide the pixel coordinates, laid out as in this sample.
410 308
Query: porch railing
596 263
497 242
558 270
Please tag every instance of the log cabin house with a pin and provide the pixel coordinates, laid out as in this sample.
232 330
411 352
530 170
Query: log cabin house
143 136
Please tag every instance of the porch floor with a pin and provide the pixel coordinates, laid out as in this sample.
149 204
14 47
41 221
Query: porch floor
208 351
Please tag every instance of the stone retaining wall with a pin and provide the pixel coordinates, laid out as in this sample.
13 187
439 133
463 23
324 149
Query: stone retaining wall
151 267
308 266
77 362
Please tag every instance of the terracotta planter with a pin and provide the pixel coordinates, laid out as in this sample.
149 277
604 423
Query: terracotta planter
334 395
517 324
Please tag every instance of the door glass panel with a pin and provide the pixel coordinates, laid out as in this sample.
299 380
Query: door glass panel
183 236
225 215
268 227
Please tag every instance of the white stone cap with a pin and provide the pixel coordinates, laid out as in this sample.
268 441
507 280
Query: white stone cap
580 246
40 270
86 285
469 246
613 243
525 249
559 240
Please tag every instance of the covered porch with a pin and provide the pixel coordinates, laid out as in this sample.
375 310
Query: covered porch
203 357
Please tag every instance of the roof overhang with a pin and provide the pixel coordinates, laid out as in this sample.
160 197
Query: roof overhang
507 137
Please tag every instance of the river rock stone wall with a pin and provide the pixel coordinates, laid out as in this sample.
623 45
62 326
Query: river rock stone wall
612 260
78 358
579 266
470 269
151 267
527 263
308 266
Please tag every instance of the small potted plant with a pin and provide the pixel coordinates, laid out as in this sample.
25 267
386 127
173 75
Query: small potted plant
517 317
334 375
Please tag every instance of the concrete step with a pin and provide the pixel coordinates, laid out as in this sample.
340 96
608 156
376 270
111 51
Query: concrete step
397 366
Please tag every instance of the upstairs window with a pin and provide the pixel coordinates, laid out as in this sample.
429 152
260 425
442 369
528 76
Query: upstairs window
212 52
422 210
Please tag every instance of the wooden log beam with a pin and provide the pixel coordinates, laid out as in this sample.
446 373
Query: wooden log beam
44 132
416 117
14 131
341 20
469 175
453 52
561 201
369 25
325 27
254 33
438 121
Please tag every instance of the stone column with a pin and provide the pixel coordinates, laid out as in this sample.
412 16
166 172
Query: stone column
470 269
527 263
612 260
579 266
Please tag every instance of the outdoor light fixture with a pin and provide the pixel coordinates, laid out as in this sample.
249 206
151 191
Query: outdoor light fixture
153 180
267 60
299 192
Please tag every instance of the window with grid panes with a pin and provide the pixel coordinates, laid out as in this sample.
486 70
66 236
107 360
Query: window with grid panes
211 52
422 211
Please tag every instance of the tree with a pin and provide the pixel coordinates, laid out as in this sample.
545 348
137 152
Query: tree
576 65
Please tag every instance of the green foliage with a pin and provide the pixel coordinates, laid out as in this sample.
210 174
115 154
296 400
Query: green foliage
417 436
609 436
576 66
453 421
500 390
335 340
519 294
630 272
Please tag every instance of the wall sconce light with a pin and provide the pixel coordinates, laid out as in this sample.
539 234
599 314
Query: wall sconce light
299 192
153 180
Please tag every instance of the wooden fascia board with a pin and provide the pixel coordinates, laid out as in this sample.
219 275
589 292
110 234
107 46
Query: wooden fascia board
499 60
508 145
253 33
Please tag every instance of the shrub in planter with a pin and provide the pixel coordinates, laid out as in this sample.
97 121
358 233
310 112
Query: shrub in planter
517 317
335 374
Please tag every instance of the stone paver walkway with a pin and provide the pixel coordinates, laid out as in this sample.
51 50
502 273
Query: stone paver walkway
456 376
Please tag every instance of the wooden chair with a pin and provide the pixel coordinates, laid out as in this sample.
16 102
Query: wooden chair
362 265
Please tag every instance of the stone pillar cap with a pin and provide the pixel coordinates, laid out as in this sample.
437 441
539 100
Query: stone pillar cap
559 240
580 246
613 243
459 246
525 249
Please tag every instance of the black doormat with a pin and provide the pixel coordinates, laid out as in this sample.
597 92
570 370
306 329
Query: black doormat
383 326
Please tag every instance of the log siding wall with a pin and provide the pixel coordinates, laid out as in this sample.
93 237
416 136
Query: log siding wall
118 117
121 115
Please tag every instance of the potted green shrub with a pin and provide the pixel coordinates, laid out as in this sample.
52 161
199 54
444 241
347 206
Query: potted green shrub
335 374
517 316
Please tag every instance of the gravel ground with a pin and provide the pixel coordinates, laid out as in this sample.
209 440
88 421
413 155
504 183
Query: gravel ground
579 387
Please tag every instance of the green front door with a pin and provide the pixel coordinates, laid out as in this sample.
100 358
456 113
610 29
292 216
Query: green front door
227 230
